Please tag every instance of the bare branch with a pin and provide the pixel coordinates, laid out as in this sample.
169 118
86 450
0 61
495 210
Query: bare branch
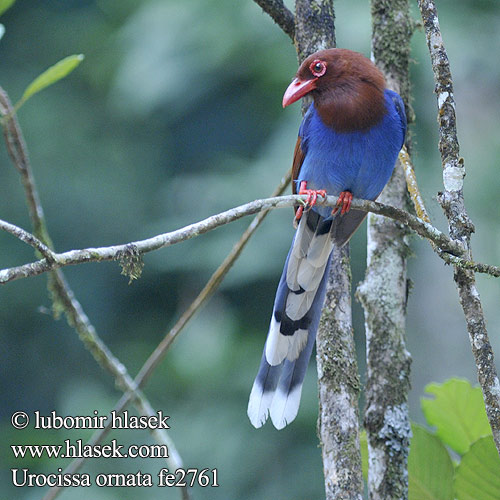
161 437
280 14
28 238
338 390
477 267
16 147
460 225
100 254
412 185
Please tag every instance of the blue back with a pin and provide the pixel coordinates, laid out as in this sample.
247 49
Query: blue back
359 162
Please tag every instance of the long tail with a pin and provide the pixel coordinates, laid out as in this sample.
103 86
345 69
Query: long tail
292 332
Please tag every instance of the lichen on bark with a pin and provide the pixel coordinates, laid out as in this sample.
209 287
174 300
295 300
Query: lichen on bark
383 293
314 26
338 381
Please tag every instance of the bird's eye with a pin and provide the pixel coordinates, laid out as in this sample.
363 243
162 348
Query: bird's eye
318 68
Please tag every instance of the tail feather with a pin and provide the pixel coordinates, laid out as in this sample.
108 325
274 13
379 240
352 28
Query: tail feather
286 401
279 346
310 275
262 393
318 253
306 264
345 226
292 332
310 250
302 240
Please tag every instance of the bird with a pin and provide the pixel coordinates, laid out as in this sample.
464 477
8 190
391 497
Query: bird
347 146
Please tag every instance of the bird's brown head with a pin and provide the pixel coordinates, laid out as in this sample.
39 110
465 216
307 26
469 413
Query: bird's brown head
347 88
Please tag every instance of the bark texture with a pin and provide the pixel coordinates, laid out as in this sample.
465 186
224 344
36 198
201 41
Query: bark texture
314 26
338 424
338 427
383 292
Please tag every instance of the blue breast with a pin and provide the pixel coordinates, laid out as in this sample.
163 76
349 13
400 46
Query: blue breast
360 162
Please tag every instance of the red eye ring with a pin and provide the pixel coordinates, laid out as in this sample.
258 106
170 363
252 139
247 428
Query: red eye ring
317 68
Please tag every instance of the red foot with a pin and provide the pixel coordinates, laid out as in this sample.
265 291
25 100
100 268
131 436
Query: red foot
344 201
312 198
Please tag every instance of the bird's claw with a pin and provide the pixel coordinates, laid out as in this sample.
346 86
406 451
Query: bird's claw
310 201
344 202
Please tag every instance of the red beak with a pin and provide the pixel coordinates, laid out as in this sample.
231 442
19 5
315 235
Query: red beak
297 89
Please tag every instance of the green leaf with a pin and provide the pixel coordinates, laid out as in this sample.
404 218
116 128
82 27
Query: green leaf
363 441
430 470
457 412
478 475
50 76
5 4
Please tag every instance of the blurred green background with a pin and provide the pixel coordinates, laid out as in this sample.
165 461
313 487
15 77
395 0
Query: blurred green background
174 115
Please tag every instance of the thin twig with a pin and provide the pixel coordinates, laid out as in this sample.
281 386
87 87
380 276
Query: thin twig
280 14
18 153
460 226
412 185
27 238
96 438
477 267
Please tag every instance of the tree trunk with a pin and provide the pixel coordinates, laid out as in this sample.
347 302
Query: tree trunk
338 424
383 292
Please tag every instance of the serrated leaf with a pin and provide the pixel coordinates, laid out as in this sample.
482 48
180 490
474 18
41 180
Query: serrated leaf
457 412
430 470
5 4
478 475
51 76
363 441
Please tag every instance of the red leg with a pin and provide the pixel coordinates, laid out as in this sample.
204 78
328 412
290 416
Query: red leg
344 201
312 198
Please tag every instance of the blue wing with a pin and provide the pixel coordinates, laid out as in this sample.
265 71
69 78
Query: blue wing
360 162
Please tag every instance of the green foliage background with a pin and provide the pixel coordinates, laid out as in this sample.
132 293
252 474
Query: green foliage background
175 114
